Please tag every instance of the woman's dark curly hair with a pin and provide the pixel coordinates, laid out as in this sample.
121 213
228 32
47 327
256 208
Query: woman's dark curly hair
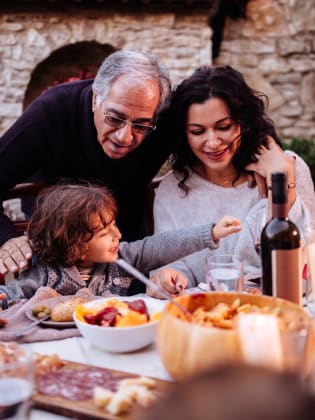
60 225
246 108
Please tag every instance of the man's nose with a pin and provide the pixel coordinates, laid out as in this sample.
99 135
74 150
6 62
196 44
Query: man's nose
124 134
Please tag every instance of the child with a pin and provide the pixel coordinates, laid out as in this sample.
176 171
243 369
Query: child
73 234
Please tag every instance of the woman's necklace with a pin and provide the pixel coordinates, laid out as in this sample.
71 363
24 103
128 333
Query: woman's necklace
222 181
228 182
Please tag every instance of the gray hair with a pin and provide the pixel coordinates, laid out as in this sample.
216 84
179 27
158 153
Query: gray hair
141 65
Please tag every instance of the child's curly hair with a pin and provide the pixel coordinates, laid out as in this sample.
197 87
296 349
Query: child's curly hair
61 223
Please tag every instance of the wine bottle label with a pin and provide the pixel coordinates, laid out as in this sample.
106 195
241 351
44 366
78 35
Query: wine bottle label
287 274
311 264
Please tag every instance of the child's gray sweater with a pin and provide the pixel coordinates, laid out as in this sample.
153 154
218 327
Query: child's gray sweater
147 254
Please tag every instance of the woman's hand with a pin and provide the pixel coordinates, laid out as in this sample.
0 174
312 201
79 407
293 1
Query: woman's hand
273 159
270 158
226 226
14 255
172 281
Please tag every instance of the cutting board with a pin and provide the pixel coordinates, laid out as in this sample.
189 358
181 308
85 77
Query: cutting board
87 409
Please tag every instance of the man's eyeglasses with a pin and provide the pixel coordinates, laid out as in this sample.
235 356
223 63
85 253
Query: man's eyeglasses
118 123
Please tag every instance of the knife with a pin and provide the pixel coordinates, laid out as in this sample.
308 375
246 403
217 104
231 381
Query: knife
22 331
148 282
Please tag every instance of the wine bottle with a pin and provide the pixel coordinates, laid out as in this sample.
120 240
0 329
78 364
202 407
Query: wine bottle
281 247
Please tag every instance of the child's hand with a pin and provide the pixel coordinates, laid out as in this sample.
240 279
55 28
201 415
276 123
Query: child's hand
3 322
2 297
226 226
172 281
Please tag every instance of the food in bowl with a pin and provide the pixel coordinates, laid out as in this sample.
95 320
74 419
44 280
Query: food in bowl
117 313
186 348
133 330
223 315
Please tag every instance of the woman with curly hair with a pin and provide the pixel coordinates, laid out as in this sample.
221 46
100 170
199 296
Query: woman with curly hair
224 146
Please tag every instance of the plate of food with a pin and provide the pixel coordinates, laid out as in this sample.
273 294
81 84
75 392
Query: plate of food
59 309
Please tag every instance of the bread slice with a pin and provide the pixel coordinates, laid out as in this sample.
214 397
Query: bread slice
63 312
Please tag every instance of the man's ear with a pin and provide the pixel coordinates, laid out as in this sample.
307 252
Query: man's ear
94 101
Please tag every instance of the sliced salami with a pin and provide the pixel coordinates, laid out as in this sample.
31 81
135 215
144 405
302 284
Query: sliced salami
78 384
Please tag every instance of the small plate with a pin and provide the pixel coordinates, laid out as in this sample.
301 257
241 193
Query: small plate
51 303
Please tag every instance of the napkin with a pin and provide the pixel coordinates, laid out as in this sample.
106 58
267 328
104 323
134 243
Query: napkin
16 317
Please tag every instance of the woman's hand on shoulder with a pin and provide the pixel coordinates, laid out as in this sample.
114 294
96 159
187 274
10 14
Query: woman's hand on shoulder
271 158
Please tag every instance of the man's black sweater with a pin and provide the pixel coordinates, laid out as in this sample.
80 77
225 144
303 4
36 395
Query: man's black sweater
56 136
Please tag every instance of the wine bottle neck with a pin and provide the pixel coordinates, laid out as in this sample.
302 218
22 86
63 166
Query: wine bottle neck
280 210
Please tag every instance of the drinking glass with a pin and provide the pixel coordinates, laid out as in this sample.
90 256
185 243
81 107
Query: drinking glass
224 273
16 382
294 345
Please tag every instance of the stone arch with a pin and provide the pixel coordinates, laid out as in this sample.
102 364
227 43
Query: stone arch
79 60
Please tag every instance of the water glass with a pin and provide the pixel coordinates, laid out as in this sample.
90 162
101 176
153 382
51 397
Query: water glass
224 273
294 345
251 288
16 383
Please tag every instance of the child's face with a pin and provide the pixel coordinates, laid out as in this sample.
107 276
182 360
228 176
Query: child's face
103 247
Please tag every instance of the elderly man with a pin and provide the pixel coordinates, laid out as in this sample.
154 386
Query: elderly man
90 130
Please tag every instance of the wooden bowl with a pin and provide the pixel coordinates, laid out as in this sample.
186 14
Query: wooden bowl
186 349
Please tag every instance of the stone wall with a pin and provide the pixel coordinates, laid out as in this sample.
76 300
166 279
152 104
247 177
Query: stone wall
275 48
182 40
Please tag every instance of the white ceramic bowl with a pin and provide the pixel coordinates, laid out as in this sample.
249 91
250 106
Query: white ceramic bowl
122 339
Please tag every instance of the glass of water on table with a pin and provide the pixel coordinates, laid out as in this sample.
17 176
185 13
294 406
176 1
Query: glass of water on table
224 273
16 381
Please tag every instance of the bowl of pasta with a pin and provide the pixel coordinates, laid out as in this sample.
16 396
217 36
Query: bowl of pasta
211 334
119 324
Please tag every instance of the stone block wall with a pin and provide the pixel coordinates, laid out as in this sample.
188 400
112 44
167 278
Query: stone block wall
182 40
275 48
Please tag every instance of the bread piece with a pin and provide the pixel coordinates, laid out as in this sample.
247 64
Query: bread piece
63 312
101 396
139 380
144 396
130 390
120 402
47 363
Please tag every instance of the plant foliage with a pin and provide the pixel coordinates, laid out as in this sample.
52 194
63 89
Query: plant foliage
305 148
